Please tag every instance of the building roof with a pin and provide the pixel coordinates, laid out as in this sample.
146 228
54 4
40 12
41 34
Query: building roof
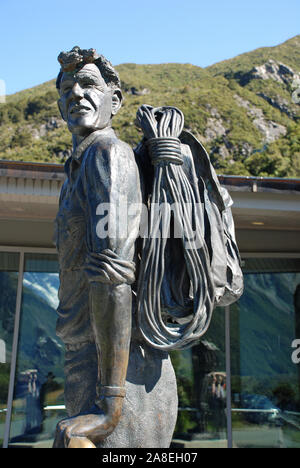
259 184
49 171
266 210
31 170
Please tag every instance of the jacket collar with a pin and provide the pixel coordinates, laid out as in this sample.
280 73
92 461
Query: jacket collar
80 149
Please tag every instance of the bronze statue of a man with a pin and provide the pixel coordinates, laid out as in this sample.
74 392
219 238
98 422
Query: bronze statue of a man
126 300
96 271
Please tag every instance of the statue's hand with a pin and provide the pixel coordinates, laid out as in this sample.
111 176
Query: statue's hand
95 425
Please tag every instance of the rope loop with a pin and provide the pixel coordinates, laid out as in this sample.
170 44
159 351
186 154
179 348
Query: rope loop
165 150
172 188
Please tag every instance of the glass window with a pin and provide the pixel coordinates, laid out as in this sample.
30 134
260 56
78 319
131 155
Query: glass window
9 267
265 335
38 394
201 381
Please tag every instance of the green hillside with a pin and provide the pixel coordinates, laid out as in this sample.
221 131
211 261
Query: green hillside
241 109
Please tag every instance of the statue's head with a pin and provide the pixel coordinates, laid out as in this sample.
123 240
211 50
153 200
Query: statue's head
89 89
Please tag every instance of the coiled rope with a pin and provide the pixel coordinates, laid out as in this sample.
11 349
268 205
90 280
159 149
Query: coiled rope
172 192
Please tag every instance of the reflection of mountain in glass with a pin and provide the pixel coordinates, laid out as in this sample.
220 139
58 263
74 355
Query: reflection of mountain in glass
43 284
39 347
39 378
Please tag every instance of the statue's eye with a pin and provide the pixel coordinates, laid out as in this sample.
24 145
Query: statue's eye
65 89
87 83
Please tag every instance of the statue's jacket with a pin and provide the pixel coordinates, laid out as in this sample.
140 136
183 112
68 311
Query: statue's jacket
101 179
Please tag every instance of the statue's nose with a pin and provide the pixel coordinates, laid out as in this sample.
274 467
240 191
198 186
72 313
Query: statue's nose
77 90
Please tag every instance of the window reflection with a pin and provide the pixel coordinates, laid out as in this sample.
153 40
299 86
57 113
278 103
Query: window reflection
201 381
38 395
9 266
265 380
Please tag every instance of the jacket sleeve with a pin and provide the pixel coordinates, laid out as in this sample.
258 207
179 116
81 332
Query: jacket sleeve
112 210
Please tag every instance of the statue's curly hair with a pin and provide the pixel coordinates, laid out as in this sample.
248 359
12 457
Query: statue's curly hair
76 58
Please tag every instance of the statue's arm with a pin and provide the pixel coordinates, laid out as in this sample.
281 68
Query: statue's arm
110 270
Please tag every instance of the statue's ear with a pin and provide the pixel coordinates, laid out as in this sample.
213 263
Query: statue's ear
116 101
61 109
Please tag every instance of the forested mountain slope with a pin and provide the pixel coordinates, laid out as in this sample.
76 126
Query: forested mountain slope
244 110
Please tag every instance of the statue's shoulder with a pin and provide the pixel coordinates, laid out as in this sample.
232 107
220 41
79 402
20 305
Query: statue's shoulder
108 143
108 156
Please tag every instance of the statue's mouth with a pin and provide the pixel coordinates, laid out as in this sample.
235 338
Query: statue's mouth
79 109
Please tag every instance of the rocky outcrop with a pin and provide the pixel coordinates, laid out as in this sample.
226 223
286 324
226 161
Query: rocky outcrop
215 126
280 103
271 70
214 129
138 92
274 71
51 124
270 130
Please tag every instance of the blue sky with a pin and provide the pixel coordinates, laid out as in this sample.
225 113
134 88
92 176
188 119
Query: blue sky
201 32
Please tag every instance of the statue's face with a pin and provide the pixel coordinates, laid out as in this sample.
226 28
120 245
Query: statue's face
86 102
